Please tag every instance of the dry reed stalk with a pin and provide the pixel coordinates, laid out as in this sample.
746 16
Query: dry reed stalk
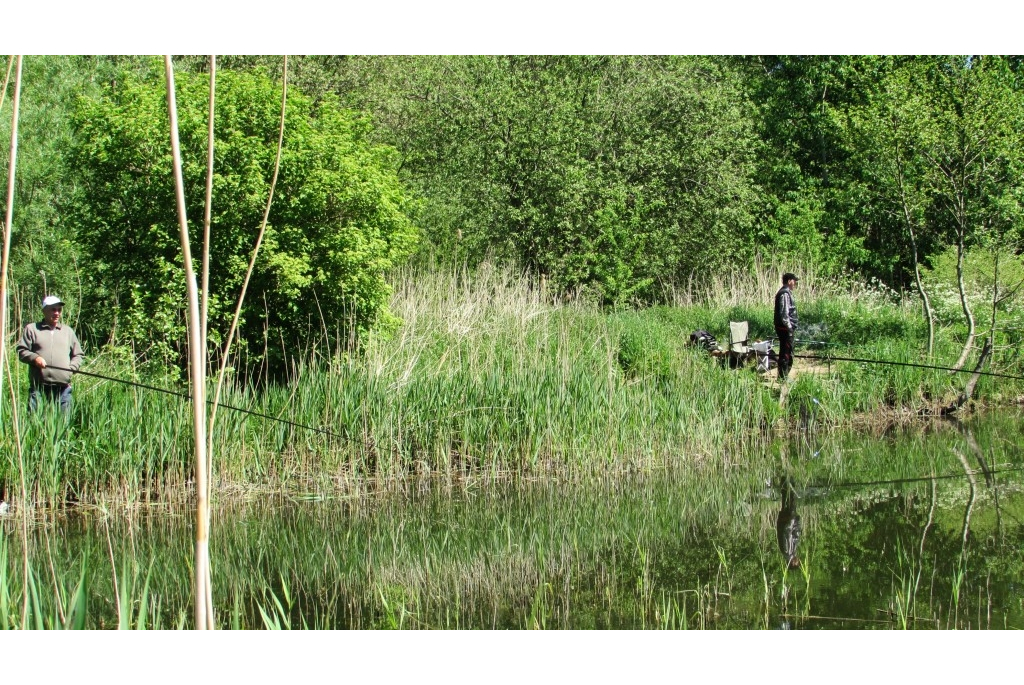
7 226
9 215
255 251
204 306
198 383
7 79
24 487
753 285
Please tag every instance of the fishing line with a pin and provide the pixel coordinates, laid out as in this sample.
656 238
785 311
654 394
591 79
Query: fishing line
949 476
357 441
186 396
832 358
820 342
918 479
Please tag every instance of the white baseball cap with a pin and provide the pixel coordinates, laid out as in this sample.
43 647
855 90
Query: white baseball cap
51 300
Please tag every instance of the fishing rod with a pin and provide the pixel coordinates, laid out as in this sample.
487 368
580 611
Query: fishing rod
833 358
801 341
346 438
916 479
186 396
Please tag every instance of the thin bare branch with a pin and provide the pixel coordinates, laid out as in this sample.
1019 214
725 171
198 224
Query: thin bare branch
252 261
204 315
7 79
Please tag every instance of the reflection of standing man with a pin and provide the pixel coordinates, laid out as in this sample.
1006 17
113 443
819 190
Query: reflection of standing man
787 525
45 346
785 323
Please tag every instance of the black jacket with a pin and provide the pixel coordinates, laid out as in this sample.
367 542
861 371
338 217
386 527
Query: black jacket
785 309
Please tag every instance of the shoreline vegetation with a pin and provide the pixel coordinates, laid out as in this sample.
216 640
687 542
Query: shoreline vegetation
490 376
899 530
604 208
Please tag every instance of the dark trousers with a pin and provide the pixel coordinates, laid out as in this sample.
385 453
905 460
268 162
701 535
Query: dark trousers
51 393
785 351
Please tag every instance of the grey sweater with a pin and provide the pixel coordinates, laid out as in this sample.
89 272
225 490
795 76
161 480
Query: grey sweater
58 346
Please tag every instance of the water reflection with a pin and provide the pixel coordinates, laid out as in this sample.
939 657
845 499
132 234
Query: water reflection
889 530
787 525
990 478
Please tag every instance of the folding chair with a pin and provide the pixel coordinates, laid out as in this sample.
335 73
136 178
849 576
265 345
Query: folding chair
739 334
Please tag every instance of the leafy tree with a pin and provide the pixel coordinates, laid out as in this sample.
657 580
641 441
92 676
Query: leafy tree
887 133
973 147
339 218
43 254
811 207
937 145
613 174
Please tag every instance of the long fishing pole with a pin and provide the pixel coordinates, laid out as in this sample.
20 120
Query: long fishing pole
849 484
915 479
325 431
819 342
833 358
186 396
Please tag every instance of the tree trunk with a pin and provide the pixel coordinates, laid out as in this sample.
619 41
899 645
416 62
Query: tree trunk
968 392
995 301
909 223
969 343
929 314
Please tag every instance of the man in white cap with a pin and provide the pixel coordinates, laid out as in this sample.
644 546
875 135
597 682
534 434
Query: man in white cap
53 353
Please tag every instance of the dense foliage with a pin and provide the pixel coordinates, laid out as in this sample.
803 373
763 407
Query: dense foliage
338 220
614 173
618 178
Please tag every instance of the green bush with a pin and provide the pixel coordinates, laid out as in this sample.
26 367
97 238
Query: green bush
847 322
339 218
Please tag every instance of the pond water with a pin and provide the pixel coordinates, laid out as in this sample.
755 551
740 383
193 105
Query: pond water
912 528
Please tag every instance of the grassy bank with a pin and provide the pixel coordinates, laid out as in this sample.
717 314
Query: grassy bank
490 375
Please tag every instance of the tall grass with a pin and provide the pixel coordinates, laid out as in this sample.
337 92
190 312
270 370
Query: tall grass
490 376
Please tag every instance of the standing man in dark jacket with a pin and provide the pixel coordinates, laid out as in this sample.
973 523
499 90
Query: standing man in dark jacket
785 323
53 353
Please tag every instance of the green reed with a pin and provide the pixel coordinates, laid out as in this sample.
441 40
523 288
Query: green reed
670 549
489 375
